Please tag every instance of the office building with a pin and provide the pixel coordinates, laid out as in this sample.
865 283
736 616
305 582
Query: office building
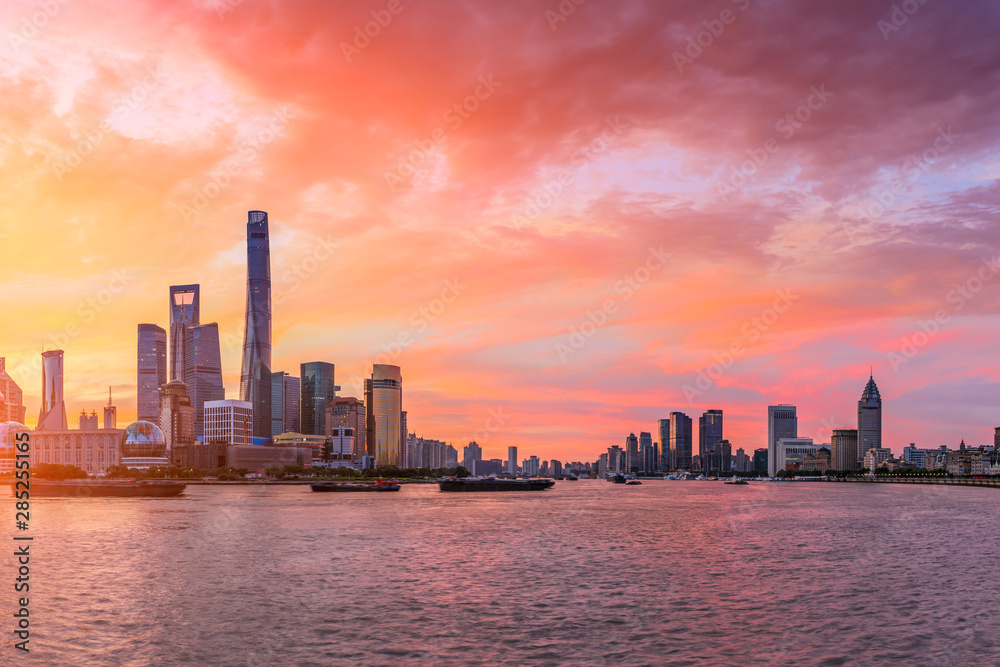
471 453
185 312
844 452
760 459
709 432
531 466
93 450
152 370
782 422
228 422
719 458
341 444
631 453
317 388
176 418
869 418
52 416
285 396
680 441
350 412
11 397
384 400
663 429
647 453
255 371
791 452
512 460
318 445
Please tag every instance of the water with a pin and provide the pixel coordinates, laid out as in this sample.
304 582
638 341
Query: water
587 573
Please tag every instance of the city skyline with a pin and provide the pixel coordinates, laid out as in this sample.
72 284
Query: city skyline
802 224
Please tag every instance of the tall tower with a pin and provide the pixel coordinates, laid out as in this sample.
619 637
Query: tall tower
255 374
52 416
663 429
152 370
709 433
869 418
185 312
111 412
317 391
384 398
782 422
203 370
631 453
680 441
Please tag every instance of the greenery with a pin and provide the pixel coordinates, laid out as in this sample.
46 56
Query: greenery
58 471
226 473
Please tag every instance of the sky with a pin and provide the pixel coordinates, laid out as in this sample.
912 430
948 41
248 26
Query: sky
562 220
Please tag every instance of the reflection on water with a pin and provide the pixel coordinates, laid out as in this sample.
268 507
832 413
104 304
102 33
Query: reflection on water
586 573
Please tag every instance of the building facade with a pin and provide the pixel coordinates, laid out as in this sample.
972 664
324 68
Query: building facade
151 362
680 441
203 371
318 388
11 397
782 422
869 418
512 460
93 450
350 412
185 312
176 418
228 422
52 416
286 391
663 429
709 433
255 371
384 401
844 450
471 453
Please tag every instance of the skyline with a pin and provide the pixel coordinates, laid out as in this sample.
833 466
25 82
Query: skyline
586 166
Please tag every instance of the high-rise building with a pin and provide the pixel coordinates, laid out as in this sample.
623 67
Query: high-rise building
185 312
512 460
203 370
531 465
869 418
152 369
663 428
110 413
317 388
680 441
647 460
709 433
471 453
255 373
286 392
347 411
760 459
228 422
52 416
782 422
631 453
11 397
404 455
176 418
844 455
384 399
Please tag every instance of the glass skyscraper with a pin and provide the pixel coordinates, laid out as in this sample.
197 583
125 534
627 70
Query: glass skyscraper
285 393
709 433
782 422
255 374
185 312
152 371
318 390
203 371
869 418
52 416
680 441
665 450
384 398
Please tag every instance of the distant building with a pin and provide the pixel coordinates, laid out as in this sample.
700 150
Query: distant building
88 422
255 369
791 452
285 395
384 402
317 389
450 457
52 416
11 397
631 454
144 446
782 422
876 457
470 454
93 450
493 467
556 468
663 429
152 370
760 459
531 465
742 461
680 441
350 412
229 422
709 433
512 460
719 458
110 413
314 443
257 459
844 453
616 460
176 418
869 418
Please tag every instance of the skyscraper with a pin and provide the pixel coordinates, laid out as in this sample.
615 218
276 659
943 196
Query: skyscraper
202 370
52 416
664 431
347 411
709 433
512 460
255 373
317 389
631 453
680 441
11 397
844 454
782 422
384 398
647 457
471 453
152 371
185 312
286 393
869 418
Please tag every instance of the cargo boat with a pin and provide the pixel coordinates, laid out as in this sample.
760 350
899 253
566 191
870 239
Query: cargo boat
78 488
346 487
495 484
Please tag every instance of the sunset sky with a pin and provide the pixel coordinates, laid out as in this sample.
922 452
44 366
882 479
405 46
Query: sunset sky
545 206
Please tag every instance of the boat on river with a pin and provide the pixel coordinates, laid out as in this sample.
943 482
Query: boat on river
348 487
110 488
493 484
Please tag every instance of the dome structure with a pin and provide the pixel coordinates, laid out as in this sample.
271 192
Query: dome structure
144 440
8 431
